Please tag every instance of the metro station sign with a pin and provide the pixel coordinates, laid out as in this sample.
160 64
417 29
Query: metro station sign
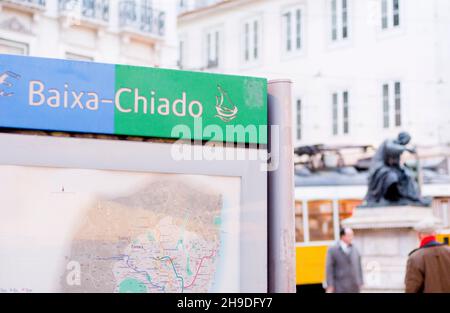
72 96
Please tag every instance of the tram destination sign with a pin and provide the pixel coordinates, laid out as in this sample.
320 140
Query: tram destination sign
73 96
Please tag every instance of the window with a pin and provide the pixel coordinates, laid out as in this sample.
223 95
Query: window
392 115
78 57
299 231
299 119
334 20
347 207
320 220
335 114
212 48
255 40
292 30
181 48
340 103
344 19
13 47
247 42
386 106
390 13
339 19
251 40
398 104
345 109
384 14
396 12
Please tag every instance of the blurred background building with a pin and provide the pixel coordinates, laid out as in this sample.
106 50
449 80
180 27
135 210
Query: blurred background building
135 32
362 71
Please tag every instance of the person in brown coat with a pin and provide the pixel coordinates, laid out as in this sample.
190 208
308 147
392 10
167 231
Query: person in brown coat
428 267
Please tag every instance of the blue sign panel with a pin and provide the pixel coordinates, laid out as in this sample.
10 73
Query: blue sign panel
47 94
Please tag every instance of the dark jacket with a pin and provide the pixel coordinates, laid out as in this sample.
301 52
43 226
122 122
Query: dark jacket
344 271
428 269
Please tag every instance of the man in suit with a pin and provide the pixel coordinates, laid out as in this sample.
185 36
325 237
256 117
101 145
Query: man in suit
428 267
343 265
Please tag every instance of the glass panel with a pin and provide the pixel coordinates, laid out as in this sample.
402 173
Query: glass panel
320 220
386 106
299 119
180 53
216 49
346 112
299 30
299 231
398 104
208 46
384 14
344 19
333 20
347 207
247 43
255 40
335 114
396 12
287 16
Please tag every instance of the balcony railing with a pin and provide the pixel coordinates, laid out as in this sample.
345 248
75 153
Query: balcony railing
30 4
93 10
141 17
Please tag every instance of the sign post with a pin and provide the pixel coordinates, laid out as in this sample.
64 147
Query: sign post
281 189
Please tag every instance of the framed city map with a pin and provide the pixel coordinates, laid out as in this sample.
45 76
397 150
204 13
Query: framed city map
85 215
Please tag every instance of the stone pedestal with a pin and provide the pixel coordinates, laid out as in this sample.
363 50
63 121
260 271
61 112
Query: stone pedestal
384 237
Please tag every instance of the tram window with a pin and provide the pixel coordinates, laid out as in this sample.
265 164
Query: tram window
320 214
299 231
347 207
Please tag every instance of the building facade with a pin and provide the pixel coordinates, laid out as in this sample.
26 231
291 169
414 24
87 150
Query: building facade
362 69
135 32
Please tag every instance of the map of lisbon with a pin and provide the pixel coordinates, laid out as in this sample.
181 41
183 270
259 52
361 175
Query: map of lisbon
118 232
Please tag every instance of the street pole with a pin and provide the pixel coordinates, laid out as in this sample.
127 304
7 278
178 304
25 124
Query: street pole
281 215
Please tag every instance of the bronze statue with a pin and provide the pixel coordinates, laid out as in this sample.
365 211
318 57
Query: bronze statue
391 183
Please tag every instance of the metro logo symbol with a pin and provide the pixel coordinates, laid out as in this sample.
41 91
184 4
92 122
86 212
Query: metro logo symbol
89 97
4 80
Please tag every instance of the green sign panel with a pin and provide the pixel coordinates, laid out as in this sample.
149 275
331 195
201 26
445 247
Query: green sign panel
49 94
167 103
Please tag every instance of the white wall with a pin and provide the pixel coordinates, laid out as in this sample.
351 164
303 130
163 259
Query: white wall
416 53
